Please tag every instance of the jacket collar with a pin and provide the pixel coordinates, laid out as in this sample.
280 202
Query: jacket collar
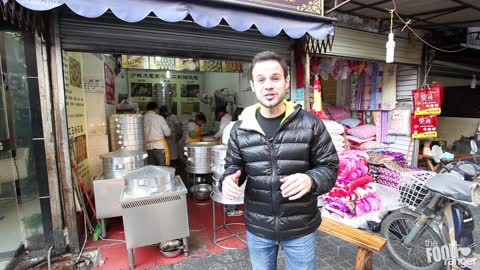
249 120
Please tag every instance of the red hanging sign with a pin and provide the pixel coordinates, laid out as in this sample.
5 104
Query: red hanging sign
428 101
424 126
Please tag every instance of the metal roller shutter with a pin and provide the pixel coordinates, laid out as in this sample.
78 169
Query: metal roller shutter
407 80
152 36
367 45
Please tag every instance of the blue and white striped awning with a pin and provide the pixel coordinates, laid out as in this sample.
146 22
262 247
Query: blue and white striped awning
204 13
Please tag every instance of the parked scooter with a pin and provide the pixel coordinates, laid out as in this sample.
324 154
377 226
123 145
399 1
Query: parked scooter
435 230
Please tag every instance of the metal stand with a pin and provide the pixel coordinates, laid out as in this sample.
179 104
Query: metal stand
104 228
192 183
131 259
226 226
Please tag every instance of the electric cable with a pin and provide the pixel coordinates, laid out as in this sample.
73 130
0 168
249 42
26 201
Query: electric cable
418 36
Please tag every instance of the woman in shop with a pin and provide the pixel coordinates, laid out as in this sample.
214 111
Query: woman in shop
193 130
176 132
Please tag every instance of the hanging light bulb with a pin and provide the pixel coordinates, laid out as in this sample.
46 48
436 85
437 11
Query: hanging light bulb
167 74
390 48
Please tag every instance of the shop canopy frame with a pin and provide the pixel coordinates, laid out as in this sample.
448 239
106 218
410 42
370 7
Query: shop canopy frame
268 21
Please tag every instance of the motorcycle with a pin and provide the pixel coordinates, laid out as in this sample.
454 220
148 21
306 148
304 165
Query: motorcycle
434 230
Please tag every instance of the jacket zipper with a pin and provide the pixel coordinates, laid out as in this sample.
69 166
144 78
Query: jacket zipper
276 206
273 185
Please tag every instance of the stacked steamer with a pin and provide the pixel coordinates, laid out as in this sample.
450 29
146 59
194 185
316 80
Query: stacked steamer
126 132
218 167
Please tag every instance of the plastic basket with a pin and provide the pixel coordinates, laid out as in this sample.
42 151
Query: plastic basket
413 191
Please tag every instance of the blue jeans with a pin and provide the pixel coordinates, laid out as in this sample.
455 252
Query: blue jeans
300 253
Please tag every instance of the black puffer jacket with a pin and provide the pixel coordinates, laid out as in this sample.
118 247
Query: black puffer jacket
301 145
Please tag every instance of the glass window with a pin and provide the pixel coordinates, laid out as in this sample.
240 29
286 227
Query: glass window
19 170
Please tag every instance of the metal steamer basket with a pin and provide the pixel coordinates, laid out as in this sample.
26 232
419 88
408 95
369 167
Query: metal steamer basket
199 157
150 180
219 152
118 163
126 131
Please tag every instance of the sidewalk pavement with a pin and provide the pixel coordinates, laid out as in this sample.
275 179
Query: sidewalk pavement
332 254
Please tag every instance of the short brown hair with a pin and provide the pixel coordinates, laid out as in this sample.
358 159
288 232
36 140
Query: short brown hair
267 56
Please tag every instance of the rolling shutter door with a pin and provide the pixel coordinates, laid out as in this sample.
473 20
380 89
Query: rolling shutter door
153 36
407 80
367 45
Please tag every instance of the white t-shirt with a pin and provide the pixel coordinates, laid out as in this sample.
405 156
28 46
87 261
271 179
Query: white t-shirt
226 132
226 119
155 129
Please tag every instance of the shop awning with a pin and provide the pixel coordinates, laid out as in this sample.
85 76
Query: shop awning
205 13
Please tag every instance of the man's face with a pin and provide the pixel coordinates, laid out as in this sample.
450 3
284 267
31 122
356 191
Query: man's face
269 83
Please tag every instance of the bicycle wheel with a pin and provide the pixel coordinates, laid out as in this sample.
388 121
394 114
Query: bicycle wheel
394 228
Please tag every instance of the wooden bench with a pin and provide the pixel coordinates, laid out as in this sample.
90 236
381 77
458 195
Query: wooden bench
367 242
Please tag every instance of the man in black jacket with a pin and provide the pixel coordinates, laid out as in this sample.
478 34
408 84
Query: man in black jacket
288 158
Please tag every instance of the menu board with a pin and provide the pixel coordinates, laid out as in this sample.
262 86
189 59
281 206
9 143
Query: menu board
144 85
229 66
135 61
165 63
76 113
211 65
187 64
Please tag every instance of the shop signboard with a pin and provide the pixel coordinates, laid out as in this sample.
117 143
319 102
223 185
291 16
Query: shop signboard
76 113
302 6
109 85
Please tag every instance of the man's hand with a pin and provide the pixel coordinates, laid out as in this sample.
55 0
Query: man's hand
230 187
295 186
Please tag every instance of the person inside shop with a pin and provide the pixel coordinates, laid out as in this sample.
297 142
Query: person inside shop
225 119
231 209
176 132
126 106
193 130
155 132
289 159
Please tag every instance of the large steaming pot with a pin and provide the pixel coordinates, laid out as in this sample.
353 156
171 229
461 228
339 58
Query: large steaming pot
199 157
149 180
126 131
118 163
